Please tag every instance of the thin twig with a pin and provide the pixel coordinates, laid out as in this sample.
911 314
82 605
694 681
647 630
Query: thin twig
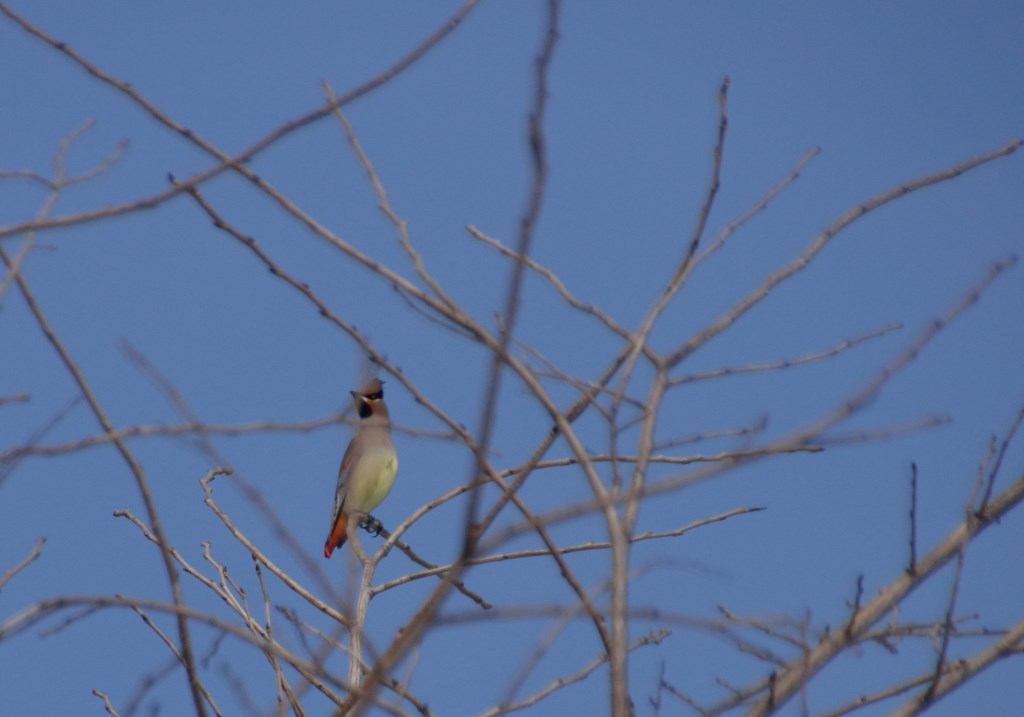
565 550
760 206
36 551
912 566
559 683
785 363
106 703
998 462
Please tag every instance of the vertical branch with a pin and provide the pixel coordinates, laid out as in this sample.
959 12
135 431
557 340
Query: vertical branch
357 627
419 621
855 606
638 339
621 545
947 627
686 264
619 533
912 567
527 224
187 656
705 211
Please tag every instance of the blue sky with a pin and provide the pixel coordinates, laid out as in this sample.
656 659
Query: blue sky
887 92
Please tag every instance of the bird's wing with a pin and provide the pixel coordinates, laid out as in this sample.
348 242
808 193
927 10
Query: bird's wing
347 461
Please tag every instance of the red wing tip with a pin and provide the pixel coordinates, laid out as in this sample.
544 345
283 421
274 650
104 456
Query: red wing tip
328 550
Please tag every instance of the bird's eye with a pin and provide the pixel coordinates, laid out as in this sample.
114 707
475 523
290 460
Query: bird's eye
375 396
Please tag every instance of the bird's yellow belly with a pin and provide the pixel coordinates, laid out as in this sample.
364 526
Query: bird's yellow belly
372 482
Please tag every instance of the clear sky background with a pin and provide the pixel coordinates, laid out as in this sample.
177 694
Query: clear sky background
887 91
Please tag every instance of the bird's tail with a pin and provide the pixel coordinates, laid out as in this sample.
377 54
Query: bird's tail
338 535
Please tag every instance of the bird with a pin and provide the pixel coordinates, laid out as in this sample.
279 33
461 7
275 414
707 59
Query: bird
368 467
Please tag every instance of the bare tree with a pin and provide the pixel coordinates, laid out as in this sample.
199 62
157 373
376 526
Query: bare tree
256 591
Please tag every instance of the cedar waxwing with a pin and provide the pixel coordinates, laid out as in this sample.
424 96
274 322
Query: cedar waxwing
368 469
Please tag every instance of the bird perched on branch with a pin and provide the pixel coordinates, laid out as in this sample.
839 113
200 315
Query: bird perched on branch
369 466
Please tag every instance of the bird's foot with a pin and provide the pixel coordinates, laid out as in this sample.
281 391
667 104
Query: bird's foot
372 525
